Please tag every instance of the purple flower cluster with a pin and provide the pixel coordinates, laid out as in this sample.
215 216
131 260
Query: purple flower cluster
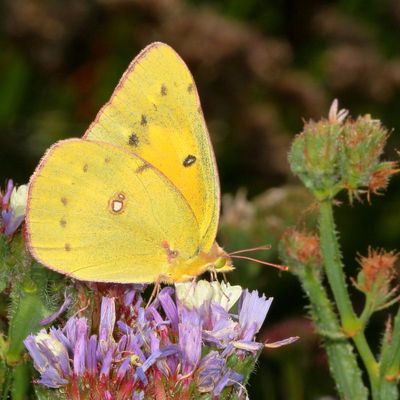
12 204
163 350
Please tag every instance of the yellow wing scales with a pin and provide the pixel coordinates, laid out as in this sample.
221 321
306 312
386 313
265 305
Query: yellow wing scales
155 112
100 213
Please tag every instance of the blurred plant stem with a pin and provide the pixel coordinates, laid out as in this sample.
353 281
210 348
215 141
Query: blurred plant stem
390 361
342 361
340 353
351 325
329 156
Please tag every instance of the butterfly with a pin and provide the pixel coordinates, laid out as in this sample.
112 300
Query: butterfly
137 199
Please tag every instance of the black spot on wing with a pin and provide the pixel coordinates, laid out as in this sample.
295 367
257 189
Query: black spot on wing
190 88
164 90
67 247
143 121
133 140
142 168
189 160
64 200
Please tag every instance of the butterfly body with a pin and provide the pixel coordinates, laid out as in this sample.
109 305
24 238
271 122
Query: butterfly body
137 199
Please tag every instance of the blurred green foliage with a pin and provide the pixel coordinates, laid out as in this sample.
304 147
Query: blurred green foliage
260 68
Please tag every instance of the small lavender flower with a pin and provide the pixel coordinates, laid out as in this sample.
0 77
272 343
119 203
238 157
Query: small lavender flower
13 207
253 311
164 350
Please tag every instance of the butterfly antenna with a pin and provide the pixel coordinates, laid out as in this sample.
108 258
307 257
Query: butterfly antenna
235 254
265 247
280 267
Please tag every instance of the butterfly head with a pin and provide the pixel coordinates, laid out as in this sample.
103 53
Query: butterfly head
182 270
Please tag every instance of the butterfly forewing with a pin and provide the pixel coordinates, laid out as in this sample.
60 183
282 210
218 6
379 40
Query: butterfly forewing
155 112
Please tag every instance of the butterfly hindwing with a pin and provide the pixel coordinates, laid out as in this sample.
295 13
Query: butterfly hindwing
97 212
155 112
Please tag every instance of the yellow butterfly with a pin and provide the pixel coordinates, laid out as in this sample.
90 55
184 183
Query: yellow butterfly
137 199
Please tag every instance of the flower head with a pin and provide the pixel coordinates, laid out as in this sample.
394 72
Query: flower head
301 249
193 295
340 153
162 348
13 207
375 279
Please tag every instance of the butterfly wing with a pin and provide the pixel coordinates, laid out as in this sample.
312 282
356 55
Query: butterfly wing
155 112
99 213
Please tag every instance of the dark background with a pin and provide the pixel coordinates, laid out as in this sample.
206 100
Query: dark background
261 68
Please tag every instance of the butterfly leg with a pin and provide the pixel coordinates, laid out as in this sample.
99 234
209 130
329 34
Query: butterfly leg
213 274
154 293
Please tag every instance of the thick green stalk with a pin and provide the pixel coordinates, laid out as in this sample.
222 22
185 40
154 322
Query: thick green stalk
21 381
352 326
342 361
6 385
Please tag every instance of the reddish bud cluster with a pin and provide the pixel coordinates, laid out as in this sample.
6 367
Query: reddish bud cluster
341 153
380 178
378 268
302 247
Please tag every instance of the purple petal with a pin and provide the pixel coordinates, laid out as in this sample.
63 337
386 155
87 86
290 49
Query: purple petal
6 198
134 347
165 352
59 335
125 329
107 320
52 379
282 342
38 358
129 296
155 315
247 345
123 368
70 329
209 371
80 346
190 339
91 360
50 358
6 216
79 356
121 347
229 378
106 367
51 318
169 306
253 310
13 225
223 328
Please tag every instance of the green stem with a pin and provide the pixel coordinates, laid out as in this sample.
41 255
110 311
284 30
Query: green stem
21 381
334 268
7 384
394 351
352 326
342 361
390 362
